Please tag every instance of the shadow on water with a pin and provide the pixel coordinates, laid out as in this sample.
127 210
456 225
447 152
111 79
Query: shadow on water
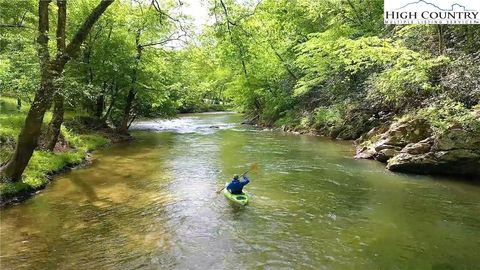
84 187
151 204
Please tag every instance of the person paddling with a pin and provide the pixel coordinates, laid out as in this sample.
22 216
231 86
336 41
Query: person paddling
236 186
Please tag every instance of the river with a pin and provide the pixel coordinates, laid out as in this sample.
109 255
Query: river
151 204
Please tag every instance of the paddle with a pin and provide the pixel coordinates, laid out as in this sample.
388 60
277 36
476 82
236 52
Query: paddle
253 168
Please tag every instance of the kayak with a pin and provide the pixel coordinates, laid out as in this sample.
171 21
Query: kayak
236 198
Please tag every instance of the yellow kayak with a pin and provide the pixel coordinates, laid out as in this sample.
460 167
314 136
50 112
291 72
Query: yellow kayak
241 199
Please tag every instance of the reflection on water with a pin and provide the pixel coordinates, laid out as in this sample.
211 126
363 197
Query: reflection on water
150 204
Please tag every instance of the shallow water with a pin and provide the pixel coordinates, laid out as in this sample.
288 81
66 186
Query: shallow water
150 204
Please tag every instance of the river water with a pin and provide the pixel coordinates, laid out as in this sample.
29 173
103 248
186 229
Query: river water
151 204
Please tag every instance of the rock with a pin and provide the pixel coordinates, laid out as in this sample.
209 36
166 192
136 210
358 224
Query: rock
455 151
457 155
457 162
381 145
374 132
421 147
457 139
393 138
403 162
386 154
366 153
410 146
405 132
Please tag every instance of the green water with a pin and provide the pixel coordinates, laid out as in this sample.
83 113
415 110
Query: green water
150 204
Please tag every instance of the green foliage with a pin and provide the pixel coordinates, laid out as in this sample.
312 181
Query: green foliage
446 114
274 105
12 118
18 77
409 77
291 119
461 82
42 162
328 117
349 70
393 71
83 142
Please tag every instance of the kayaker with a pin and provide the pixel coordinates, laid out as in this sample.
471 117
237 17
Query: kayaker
236 186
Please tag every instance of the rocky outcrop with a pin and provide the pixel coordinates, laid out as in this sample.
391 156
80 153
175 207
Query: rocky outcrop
384 143
456 151
410 146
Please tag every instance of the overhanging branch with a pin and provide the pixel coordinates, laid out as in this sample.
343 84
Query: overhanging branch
83 31
170 38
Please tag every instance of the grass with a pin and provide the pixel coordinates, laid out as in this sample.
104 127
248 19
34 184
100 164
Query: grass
42 163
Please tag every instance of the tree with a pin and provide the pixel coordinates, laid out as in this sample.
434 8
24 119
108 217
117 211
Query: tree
51 72
151 29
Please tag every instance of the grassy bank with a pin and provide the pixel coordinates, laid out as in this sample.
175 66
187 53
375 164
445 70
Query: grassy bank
43 163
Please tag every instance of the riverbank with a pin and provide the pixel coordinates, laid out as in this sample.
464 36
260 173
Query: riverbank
438 139
76 141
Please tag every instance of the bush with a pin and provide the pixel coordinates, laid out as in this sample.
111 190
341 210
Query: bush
328 117
406 83
446 114
461 80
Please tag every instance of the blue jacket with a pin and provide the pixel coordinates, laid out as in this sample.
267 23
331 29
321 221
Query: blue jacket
236 186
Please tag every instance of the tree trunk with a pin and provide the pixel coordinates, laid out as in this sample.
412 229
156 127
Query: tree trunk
112 101
27 140
441 40
124 125
99 106
127 111
55 124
